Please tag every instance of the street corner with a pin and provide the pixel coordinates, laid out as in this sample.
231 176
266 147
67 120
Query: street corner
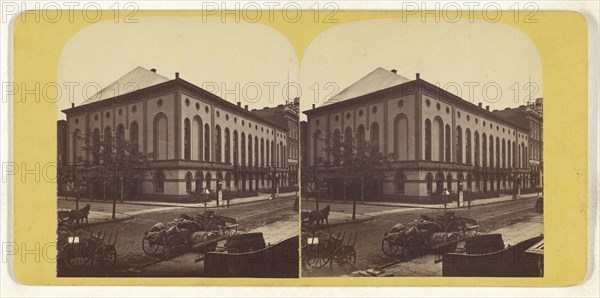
341 218
99 218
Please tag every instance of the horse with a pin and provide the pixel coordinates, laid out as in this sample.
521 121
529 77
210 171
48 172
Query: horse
80 214
319 215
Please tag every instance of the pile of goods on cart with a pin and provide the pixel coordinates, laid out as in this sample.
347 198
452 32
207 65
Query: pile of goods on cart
188 232
441 233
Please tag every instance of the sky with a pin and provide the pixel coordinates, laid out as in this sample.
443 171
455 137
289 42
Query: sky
482 62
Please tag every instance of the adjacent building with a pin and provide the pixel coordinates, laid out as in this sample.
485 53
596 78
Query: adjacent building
198 138
436 139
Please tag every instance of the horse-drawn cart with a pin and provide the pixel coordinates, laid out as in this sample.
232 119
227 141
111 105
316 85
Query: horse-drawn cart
80 248
440 234
318 252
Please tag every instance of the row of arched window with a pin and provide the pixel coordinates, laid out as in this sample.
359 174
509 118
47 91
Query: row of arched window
260 152
97 139
198 181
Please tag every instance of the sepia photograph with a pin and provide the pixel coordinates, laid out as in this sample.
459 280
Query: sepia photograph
175 163
428 160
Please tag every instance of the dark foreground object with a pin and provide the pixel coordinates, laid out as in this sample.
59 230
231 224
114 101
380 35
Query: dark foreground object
488 261
275 261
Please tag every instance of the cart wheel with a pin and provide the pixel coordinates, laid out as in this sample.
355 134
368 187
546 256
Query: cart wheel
77 255
149 247
314 257
345 257
104 255
470 233
456 226
230 232
388 248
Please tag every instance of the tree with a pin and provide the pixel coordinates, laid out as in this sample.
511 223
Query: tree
353 159
112 161
73 177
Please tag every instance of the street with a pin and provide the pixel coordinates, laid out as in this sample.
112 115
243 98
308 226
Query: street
489 217
249 216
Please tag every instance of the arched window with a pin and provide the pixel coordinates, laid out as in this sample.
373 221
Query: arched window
262 152
491 151
227 146
228 180
360 137
187 139
439 179
159 181
401 137
243 148
449 181
337 149
498 163
316 152
399 181
428 144
256 151
250 150
160 136
374 137
206 142
208 180
504 153
120 139
429 179
459 144
476 147
198 177
108 143
268 156
447 144
76 146
469 181
484 150
283 159
134 136
508 151
188 182
197 148
468 146
218 144
316 147
96 144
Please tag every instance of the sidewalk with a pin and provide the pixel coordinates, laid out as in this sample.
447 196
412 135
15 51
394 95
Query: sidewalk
98 217
211 204
452 205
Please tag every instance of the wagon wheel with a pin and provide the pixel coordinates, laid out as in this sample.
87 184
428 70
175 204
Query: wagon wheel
77 255
389 249
458 227
104 255
231 231
345 257
315 258
470 233
172 243
150 247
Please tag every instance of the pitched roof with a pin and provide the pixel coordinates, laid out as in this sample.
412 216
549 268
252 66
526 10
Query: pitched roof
137 79
376 80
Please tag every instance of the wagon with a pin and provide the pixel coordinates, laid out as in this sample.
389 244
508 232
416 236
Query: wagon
317 252
428 234
95 248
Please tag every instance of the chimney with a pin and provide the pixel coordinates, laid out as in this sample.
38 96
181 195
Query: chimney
72 105
418 76
239 103
479 104
487 108
153 70
394 71
313 106
177 75
246 107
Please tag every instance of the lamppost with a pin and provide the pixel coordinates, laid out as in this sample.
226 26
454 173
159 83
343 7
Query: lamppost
445 198
205 197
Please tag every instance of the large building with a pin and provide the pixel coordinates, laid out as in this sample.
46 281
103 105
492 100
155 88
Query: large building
531 115
197 137
437 139
287 115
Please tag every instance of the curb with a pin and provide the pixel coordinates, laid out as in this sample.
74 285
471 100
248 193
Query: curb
351 221
158 204
98 223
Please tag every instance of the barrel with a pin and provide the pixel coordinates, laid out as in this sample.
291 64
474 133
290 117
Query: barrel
484 244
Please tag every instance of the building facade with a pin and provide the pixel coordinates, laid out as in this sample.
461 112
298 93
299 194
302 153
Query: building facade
437 140
198 138
531 115
287 115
